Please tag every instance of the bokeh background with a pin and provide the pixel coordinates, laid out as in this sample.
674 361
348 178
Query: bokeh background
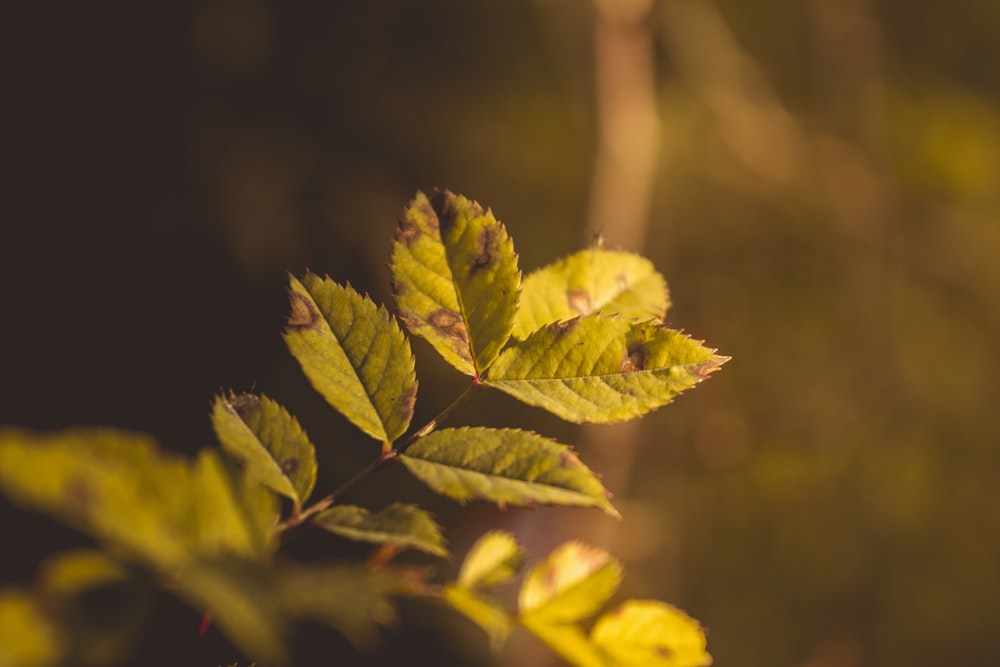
818 180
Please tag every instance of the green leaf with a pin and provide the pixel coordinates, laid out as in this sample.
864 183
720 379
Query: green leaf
455 276
568 641
494 559
120 488
269 441
27 636
354 354
488 615
650 632
504 466
570 584
398 524
591 281
601 369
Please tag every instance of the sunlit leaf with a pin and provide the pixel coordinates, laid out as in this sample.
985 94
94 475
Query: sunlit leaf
504 466
650 632
569 641
488 615
398 524
27 636
591 281
275 449
570 584
496 557
122 489
354 354
601 369
455 276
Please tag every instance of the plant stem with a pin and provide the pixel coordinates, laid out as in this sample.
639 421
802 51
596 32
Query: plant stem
444 414
386 457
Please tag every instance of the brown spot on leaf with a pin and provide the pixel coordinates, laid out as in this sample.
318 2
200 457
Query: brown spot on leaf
450 324
405 403
289 466
407 232
304 314
560 329
244 404
443 205
635 358
487 246
568 459
579 300
663 651
79 498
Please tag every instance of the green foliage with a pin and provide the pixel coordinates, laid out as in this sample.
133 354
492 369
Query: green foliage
588 345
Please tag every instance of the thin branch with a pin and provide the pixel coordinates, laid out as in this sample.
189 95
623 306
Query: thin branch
385 458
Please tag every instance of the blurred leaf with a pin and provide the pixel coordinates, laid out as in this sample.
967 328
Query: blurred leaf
398 524
495 558
650 632
488 615
100 607
27 636
568 641
351 599
243 600
570 584
591 281
120 488
74 572
275 449
456 280
505 466
254 604
601 369
354 354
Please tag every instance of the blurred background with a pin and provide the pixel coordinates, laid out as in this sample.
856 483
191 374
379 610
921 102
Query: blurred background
818 180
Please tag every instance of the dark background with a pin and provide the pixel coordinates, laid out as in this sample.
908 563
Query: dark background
824 205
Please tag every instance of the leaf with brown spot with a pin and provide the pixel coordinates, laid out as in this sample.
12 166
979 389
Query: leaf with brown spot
504 466
595 280
354 354
599 369
269 441
569 585
649 632
455 278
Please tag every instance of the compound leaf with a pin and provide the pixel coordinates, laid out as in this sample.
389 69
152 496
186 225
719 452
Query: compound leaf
488 615
399 524
269 441
591 281
601 369
455 277
504 466
354 354
570 584
650 632
121 488
495 558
